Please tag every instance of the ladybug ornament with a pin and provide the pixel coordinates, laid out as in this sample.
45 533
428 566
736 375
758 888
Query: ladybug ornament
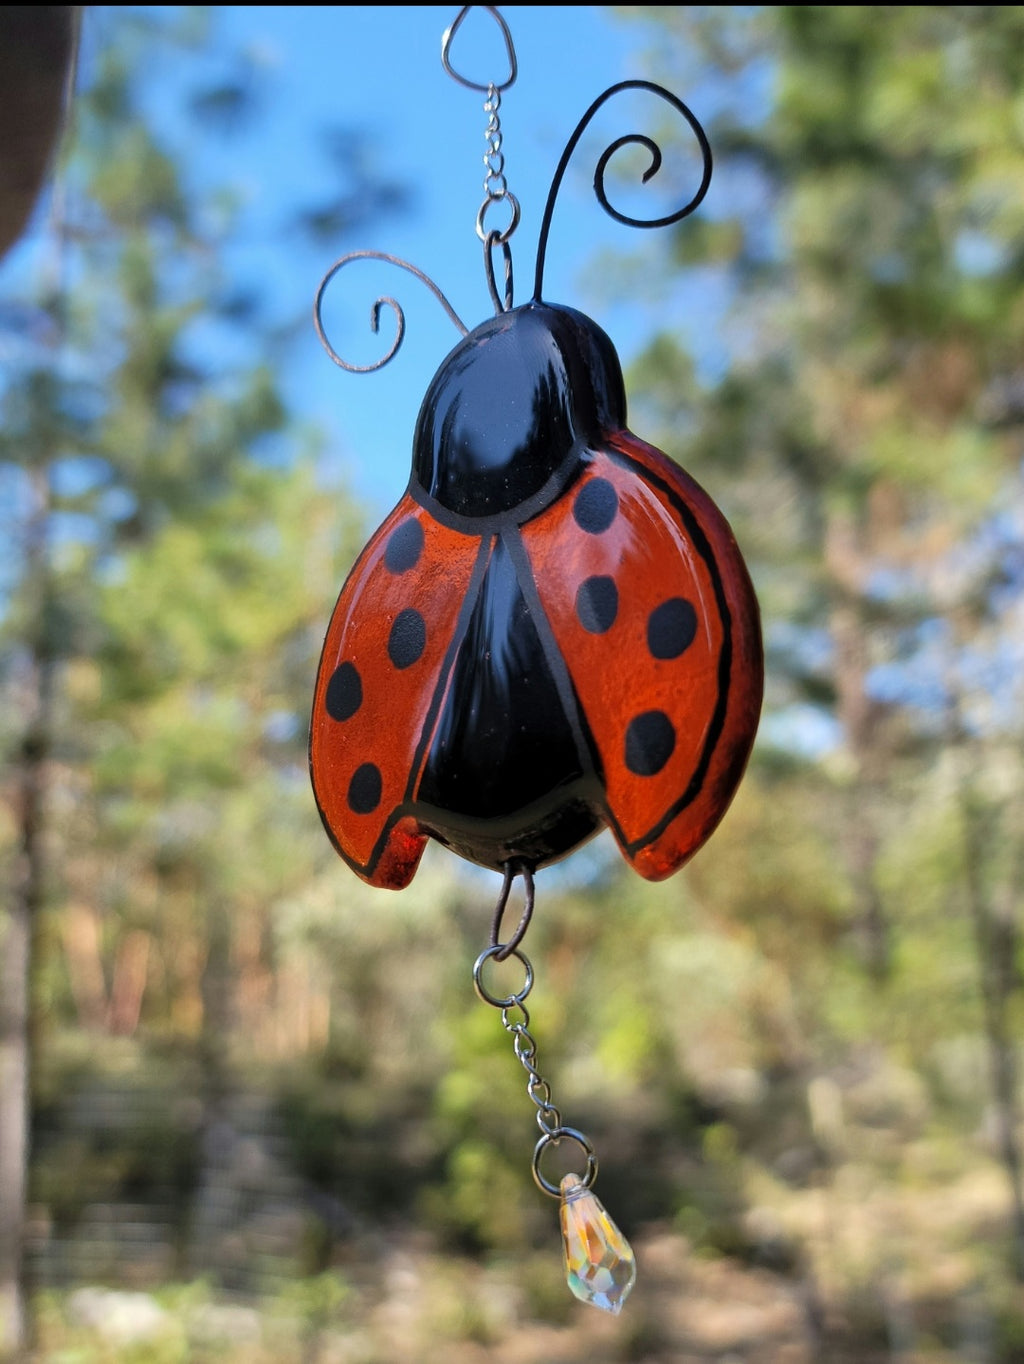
552 633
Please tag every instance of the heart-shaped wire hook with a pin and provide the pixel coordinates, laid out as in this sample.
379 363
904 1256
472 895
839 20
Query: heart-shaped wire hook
446 42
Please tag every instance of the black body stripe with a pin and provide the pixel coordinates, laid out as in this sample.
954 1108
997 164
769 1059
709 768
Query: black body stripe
586 748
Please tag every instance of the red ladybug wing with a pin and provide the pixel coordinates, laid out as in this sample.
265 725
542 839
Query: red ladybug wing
653 611
381 673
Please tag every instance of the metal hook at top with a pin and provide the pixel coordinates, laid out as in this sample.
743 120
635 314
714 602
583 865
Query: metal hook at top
446 42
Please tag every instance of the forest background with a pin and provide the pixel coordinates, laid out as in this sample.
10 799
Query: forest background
269 1119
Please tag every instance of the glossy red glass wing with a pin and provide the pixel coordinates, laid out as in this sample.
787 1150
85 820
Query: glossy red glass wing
654 614
378 686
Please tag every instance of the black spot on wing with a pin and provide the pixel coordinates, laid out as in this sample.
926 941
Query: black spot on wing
408 638
671 628
650 741
596 506
597 604
364 790
404 547
344 693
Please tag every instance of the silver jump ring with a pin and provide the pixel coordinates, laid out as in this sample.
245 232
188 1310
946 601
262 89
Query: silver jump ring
509 1000
552 1139
500 237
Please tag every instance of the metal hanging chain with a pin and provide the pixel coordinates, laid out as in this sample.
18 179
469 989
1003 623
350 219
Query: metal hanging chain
495 185
496 190
515 1019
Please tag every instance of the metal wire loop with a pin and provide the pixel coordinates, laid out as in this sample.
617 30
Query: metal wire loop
510 51
523 1044
501 305
549 1119
537 1085
518 1027
512 870
553 1138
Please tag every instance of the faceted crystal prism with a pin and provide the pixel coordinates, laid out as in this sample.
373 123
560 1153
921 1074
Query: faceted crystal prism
599 1263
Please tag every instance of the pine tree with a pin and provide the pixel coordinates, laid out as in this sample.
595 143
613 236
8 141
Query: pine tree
170 546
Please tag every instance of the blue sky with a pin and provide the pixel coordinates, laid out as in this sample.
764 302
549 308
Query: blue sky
378 68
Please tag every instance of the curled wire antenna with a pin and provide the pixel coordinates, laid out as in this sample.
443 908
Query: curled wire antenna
376 309
639 139
493 238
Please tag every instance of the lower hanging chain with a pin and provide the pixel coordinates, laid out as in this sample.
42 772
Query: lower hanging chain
515 1019
600 1268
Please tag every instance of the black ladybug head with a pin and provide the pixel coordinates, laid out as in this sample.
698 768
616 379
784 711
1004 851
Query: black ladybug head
510 411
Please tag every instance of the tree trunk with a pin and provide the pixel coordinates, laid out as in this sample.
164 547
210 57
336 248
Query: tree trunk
997 941
859 716
36 64
211 1213
27 890
15 959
